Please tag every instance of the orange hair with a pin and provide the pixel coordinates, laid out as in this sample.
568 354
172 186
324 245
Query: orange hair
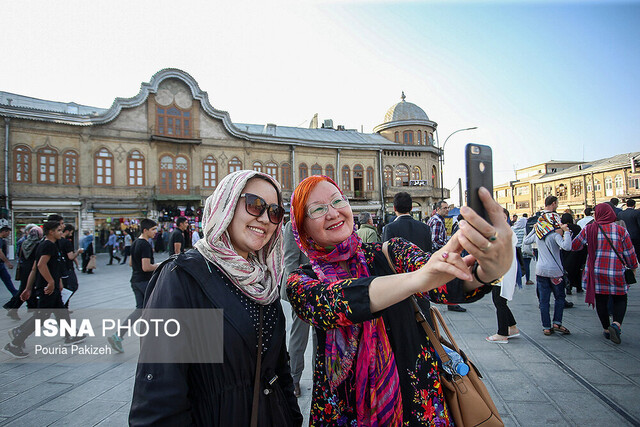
299 201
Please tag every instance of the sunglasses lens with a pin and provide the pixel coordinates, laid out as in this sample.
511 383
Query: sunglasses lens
276 213
255 205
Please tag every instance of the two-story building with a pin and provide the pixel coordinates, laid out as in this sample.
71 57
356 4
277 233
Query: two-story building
576 184
162 152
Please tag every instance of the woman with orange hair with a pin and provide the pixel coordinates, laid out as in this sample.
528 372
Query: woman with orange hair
374 364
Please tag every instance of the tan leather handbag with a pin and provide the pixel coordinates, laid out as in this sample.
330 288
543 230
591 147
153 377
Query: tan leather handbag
468 399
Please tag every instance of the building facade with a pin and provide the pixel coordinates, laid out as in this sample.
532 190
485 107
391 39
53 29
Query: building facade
576 184
162 152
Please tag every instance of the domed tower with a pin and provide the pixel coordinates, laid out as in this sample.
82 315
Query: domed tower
408 124
413 166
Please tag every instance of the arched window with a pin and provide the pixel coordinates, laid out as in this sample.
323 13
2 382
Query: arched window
70 167
235 165
619 182
416 173
316 169
286 176
419 137
166 174
303 172
407 137
182 174
434 177
330 172
22 164
103 167
257 166
430 138
402 176
209 172
370 179
174 174
47 166
598 186
608 186
135 169
396 136
272 169
388 176
173 121
346 178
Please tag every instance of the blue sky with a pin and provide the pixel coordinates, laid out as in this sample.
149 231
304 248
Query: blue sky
541 80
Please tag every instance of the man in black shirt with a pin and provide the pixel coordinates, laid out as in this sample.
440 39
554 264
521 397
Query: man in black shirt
142 264
69 278
46 281
176 241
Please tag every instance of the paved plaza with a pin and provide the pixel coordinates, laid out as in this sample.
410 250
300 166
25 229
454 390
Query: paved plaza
575 380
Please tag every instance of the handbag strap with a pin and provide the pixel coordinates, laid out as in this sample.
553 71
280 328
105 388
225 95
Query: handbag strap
422 321
624 264
256 384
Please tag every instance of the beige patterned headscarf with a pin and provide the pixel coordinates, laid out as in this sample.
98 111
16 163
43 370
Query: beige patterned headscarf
258 276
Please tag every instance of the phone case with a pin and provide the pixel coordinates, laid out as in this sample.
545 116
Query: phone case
479 169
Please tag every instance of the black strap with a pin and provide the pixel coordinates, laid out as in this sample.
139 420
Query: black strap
256 384
624 264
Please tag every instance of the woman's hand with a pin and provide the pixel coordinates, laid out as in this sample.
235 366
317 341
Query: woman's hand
444 265
490 245
25 295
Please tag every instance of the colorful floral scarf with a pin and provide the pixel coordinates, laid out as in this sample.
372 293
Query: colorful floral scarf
547 222
258 276
378 399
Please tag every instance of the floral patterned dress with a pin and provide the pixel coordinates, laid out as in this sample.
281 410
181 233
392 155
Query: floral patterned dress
345 302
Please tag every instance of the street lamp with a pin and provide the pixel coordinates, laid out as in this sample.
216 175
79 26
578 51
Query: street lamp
442 158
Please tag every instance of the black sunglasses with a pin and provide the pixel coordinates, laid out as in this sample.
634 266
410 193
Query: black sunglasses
256 205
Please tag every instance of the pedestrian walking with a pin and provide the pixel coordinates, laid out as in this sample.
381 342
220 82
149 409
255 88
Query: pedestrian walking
127 245
405 226
46 277
299 335
87 247
608 244
112 245
176 241
631 218
439 237
5 263
502 293
573 261
367 231
235 267
69 278
142 266
550 236
26 258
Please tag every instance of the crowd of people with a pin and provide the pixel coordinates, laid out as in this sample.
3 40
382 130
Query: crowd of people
350 284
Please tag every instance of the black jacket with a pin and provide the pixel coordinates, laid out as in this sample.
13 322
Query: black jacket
409 229
212 394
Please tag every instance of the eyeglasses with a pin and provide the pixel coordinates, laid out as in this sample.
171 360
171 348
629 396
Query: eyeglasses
256 205
319 210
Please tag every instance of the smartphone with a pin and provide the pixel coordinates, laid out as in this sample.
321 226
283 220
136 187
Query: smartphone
479 168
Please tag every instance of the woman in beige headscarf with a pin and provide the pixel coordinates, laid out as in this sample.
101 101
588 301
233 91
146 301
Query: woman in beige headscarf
234 267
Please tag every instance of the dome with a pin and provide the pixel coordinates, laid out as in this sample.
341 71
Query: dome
404 110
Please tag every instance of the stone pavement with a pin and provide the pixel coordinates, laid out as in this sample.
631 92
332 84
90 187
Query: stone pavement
575 380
